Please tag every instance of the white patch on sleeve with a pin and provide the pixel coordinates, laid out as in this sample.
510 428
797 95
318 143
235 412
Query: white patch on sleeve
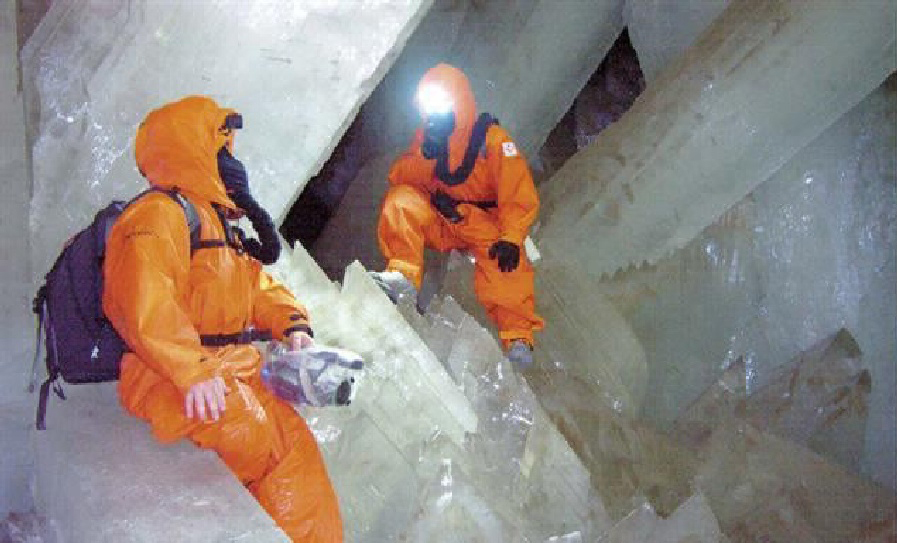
508 148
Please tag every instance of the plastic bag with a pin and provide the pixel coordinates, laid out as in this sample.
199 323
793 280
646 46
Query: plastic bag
317 375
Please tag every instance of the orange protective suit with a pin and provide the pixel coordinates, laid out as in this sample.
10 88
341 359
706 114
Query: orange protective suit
161 299
408 222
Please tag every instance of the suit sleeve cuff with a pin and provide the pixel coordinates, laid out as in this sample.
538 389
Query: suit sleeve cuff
516 239
298 328
204 370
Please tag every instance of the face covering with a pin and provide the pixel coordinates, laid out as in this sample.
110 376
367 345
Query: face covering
437 128
266 249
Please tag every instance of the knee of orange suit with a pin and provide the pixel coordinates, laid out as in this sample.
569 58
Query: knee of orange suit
284 418
406 207
404 204
412 272
245 436
404 215
405 196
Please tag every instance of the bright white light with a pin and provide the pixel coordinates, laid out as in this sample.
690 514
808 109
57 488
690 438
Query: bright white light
434 99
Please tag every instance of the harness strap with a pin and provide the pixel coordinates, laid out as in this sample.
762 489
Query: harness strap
39 308
40 422
211 244
482 204
243 337
52 371
448 206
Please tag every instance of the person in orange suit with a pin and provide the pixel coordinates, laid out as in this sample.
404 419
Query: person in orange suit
189 319
463 184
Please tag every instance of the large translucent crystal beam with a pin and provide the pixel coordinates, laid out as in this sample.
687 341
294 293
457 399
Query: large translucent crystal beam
15 289
808 252
765 488
405 390
819 399
661 30
14 189
297 71
533 85
763 81
518 458
408 377
692 522
586 339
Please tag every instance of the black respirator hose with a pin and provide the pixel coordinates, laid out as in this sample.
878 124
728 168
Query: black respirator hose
266 249
232 172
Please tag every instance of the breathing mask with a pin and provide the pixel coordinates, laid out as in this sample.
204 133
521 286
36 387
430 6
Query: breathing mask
436 105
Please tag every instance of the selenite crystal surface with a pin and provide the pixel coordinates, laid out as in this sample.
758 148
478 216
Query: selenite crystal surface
692 522
531 471
661 31
819 399
809 252
16 290
715 126
453 441
629 461
296 71
100 476
608 357
638 525
445 442
760 485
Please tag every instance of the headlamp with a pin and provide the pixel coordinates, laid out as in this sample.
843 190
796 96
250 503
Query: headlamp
434 100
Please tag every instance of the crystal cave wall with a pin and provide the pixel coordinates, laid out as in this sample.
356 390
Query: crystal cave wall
718 269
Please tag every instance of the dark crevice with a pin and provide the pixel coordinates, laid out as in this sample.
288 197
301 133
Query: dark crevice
29 14
322 194
607 95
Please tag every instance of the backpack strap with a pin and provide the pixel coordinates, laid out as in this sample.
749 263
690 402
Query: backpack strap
190 213
39 306
233 236
192 217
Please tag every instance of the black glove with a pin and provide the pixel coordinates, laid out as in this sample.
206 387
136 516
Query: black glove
445 205
508 255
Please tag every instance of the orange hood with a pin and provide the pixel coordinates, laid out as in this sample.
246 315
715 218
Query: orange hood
456 84
177 146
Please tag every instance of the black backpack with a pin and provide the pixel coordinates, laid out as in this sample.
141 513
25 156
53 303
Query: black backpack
82 346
